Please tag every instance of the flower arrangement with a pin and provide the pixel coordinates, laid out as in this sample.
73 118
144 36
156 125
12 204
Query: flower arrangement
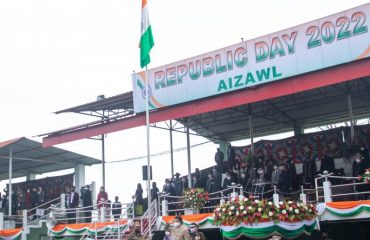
247 210
365 177
196 198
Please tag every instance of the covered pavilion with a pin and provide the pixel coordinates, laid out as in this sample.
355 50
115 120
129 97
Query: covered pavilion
23 157
331 95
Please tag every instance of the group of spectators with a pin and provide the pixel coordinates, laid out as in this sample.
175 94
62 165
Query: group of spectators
280 174
74 200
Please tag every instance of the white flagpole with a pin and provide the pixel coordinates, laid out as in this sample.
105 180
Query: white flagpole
148 146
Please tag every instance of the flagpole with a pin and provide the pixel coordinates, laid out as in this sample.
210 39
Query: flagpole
148 146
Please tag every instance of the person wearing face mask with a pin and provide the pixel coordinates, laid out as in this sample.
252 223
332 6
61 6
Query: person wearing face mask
358 168
196 183
227 183
179 231
275 175
167 234
194 233
243 180
136 233
365 154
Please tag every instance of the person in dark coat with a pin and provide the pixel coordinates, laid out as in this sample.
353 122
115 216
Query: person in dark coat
139 195
202 179
358 169
33 201
72 204
365 154
196 183
292 172
227 182
217 178
283 180
116 209
177 184
219 159
327 164
309 171
231 156
154 191
87 202
243 180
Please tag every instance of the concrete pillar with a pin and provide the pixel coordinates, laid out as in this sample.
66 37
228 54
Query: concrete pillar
30 176
79 177
223 148
297 130
1 220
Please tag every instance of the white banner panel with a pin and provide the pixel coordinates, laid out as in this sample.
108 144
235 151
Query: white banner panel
333 40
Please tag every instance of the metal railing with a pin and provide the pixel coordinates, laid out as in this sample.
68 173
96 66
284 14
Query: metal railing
325 191
149 219
122 225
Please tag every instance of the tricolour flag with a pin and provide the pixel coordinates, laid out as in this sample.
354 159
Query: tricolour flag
146 40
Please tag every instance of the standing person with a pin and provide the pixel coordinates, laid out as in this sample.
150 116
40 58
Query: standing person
177 182
40 196
72 204
365 154
167 234
101 200
283 180
309 171
292 172
196 183
179 231
243 179
136 233
194 232
154 191
33 202
87 202
139 203
116 209
28 199
230 156
327 163
358 168
227 183
217 178
219 159
20 205
275 176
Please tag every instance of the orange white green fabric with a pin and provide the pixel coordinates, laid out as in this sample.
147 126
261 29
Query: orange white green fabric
81 228
10 234
345 209
199 219
146 39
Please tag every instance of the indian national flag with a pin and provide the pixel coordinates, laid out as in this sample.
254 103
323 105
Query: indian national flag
146 40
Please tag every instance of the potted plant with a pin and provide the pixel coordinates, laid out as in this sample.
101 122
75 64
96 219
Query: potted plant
194 200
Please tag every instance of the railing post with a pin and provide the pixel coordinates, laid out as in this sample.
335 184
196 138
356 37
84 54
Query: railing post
222 200
102 214
241 194
275 198
302 196
24 222
1 220
164 207
133 206
327 188
62 201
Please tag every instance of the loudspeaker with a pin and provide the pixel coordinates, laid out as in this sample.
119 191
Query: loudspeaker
145 173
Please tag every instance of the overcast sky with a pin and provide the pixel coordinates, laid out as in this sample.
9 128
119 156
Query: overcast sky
58 54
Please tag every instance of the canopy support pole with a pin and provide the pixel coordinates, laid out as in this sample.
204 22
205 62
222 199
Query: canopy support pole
171 148
349 100
188 151
103 157
251 127
10 180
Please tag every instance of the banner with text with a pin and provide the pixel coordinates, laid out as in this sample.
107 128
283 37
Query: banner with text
333 40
